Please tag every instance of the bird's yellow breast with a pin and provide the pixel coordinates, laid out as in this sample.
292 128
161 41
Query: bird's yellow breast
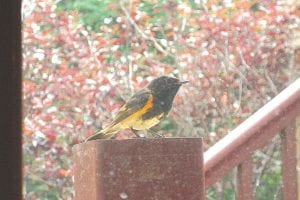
146 124
137 123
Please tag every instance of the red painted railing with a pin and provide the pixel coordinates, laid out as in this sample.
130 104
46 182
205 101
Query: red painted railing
235 149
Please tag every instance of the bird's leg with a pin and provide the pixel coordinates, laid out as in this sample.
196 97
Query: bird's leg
135 132
154 133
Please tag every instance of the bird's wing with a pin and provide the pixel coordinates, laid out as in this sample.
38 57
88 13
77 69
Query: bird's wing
133 105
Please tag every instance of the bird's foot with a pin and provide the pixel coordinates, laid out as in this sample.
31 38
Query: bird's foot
135 132
155 134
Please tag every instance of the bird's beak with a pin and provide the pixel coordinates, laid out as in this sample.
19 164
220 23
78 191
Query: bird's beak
183 82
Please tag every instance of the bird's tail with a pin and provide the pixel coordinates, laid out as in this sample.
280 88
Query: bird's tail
105 133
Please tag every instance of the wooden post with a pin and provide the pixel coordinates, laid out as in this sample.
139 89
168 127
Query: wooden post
10 100
289 162
244 180
139 169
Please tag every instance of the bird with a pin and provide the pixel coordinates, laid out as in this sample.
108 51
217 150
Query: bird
144 109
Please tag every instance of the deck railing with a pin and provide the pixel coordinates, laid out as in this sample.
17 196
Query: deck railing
235 149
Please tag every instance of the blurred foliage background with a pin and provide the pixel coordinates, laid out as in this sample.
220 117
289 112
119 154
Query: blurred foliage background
83 59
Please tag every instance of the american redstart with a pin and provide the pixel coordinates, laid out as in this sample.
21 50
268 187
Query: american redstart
144 109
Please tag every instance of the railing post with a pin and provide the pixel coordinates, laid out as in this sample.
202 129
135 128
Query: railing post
244 180
289 162
139 169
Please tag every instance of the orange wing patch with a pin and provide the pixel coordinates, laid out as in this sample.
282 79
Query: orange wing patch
135 118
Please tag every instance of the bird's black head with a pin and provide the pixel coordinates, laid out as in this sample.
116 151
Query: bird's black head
165 88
